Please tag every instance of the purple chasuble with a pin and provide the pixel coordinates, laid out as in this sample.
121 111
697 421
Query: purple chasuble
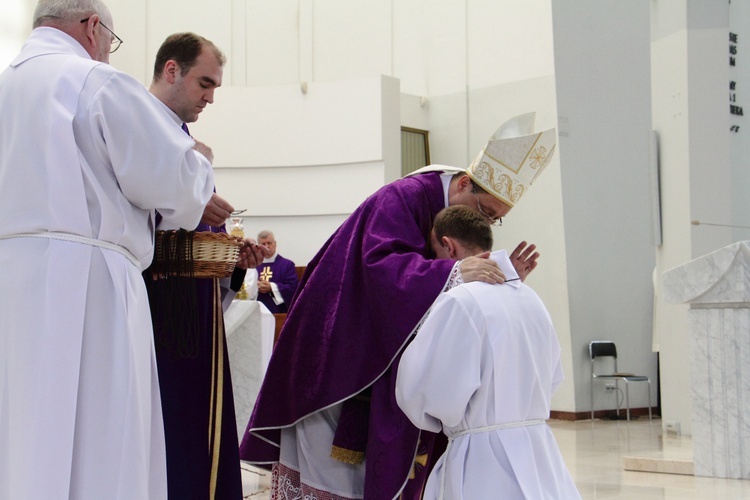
282 272
361 297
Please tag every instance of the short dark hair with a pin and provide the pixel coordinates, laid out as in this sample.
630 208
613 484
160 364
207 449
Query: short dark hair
184 49
465 225
477 188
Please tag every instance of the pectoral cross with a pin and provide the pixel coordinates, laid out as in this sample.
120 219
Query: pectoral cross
266 274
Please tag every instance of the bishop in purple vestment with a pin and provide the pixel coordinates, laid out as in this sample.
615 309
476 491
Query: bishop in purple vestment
361 298
326 419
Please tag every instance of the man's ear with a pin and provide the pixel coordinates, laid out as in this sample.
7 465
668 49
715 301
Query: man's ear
464 183
452 247
89 30
171 70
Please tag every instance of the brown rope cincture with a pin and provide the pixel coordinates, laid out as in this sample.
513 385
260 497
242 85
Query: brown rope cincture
178 328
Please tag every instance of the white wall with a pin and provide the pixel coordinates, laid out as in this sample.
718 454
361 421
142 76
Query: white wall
691 113
15 26
670 89
602 50
739 23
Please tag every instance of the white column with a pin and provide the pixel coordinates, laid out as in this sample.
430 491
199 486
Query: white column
717 287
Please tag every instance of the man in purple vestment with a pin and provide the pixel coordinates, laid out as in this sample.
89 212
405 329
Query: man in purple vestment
191 353
326 418
277 277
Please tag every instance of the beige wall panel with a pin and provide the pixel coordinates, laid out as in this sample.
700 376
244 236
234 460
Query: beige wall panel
334 123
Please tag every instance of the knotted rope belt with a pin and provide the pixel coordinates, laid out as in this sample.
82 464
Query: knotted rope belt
480 430
53 235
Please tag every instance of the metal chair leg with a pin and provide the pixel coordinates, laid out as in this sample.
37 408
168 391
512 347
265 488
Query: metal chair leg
627 399
617 406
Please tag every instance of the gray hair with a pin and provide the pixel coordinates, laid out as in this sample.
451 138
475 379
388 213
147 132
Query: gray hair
264 234
69 10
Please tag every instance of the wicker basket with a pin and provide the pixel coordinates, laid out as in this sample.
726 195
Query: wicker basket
195 254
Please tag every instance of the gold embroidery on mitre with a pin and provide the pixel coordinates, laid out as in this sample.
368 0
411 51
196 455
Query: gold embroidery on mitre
266 274
510 190
544 162
511 154
512 159
538 157
485 175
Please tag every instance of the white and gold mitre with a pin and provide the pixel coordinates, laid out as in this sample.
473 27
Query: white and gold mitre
513 158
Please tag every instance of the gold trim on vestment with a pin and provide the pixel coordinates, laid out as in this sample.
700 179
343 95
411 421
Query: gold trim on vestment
347 456
420 460
217 388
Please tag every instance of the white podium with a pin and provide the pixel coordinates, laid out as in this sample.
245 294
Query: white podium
717 287
249 328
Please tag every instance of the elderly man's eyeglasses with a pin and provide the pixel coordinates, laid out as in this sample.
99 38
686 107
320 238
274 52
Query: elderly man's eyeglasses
494 221
116 40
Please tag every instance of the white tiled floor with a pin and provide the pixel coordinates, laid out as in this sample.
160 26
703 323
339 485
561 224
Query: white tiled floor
255 482
594 454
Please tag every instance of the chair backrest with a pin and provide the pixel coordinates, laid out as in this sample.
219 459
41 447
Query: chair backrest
602 348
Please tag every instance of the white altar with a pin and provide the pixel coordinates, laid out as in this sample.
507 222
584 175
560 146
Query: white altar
249 329
717 286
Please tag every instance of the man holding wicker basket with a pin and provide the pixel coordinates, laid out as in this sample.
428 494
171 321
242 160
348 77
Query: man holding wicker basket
191 274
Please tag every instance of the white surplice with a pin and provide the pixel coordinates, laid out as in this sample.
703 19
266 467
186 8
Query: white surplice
482 369
84 150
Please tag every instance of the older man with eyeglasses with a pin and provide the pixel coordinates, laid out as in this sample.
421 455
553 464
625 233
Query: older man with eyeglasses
86 156
116 40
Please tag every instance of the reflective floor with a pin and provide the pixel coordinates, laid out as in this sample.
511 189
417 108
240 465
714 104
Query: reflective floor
595 453
255 482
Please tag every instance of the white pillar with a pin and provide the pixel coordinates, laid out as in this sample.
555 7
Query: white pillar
717 287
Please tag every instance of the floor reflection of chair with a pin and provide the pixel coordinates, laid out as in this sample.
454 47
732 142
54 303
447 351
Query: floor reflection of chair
606 349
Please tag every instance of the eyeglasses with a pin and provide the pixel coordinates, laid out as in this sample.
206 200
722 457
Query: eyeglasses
116 40
494 221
